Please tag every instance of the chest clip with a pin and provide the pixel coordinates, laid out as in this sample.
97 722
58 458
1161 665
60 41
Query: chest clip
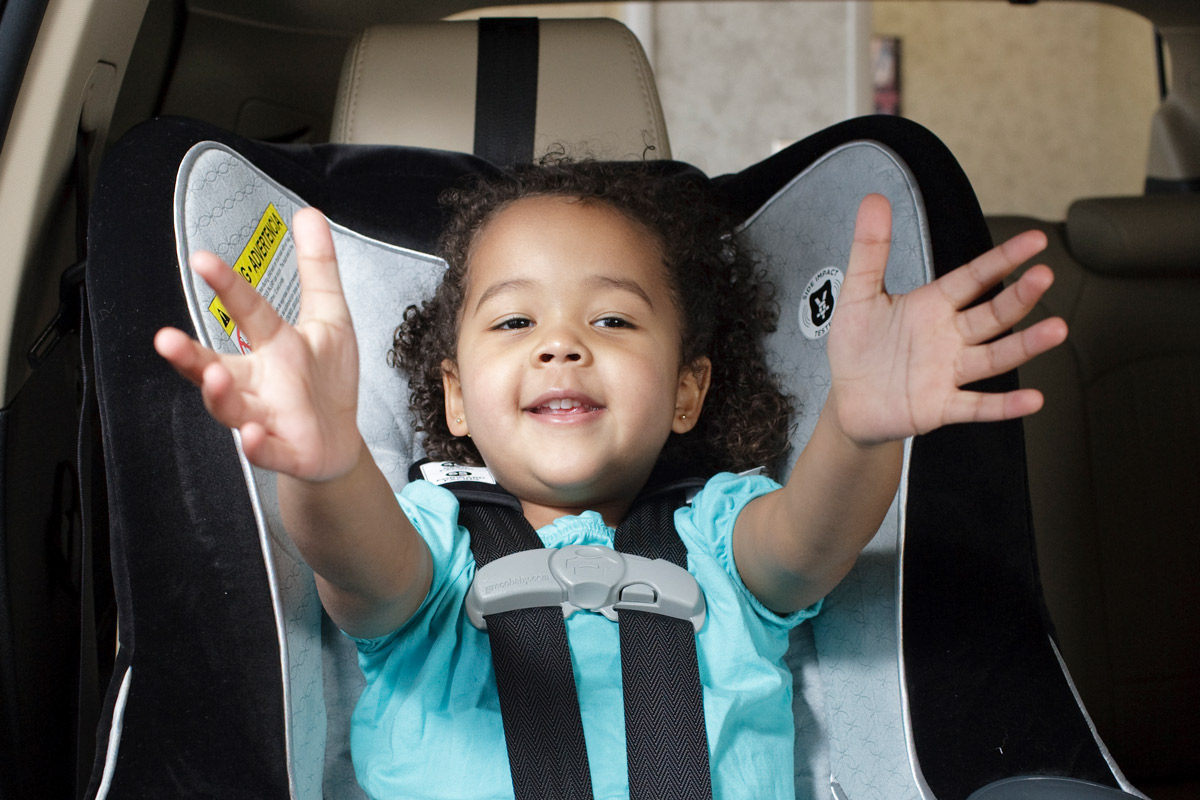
590 577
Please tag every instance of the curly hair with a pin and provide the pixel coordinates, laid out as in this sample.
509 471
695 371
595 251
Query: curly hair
725 304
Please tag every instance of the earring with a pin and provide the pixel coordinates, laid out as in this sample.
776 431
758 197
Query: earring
458 420
683 416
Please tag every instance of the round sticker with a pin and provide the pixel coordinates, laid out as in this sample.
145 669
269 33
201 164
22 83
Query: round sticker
818 300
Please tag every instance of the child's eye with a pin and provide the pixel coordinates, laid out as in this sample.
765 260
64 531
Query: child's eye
513 324
613 322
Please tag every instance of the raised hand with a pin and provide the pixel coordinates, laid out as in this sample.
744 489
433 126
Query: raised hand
898 362
294 399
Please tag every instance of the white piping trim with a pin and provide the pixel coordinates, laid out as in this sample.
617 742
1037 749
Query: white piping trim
902 512
1122 781
909 739
114 736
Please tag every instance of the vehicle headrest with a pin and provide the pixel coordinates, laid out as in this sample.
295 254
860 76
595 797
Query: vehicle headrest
416 85
1137 236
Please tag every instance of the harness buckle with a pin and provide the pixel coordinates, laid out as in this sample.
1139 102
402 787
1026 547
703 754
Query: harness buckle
590 577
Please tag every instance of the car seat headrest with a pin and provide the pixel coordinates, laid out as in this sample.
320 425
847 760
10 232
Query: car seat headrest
416 85
1137 236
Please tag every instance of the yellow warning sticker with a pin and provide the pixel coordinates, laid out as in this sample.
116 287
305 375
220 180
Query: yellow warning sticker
255 258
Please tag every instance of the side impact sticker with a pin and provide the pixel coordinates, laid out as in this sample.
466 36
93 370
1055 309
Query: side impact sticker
269 243
818 300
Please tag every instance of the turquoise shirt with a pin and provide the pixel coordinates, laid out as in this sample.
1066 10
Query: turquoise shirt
428 722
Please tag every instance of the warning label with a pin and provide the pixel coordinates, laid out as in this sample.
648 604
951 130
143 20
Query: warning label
264 264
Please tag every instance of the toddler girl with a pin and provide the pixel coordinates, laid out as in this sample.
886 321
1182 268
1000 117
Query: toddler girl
597 320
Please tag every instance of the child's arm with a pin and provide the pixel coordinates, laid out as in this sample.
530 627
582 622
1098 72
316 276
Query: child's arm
294 400
896 364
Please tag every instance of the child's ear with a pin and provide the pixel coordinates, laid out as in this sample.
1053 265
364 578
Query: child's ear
694 379
456 415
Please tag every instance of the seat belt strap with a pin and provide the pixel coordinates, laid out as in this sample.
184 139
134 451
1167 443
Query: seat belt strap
539 704
665 737
506 89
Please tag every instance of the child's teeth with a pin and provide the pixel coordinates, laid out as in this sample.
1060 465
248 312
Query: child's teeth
559 405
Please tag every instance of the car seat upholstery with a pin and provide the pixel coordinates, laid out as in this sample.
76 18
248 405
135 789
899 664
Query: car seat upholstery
928 675
417 85
1113 474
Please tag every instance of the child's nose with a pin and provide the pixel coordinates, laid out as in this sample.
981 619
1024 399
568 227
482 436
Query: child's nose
561 346
548 356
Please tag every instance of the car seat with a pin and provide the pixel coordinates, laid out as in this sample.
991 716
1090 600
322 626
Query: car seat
1113 471
930 673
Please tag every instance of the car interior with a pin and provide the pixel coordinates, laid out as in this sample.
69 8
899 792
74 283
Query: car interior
95 95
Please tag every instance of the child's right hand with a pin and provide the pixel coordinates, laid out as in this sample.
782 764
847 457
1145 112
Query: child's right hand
294 399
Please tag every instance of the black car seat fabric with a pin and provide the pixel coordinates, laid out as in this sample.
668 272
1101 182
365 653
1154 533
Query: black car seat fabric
928 674
1113 469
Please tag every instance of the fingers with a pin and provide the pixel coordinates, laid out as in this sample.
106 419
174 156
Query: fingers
225 395
967 283
321 295
983 322
992 407
185 354
219 385
869 250
1010 352
248 308
266 451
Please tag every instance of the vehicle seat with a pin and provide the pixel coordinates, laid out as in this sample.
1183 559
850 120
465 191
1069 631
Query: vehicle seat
1114 466
419 85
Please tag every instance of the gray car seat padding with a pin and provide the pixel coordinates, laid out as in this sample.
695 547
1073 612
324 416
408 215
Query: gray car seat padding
192 550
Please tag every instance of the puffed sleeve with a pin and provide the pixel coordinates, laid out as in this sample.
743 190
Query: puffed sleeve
706 526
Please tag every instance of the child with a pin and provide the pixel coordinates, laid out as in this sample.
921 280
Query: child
596 320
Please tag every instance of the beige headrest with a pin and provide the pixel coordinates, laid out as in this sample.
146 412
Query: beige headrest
1133 236
415 85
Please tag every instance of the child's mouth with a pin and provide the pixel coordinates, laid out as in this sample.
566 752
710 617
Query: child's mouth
564 407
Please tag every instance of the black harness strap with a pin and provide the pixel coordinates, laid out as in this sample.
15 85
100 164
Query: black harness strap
539 704
506 83
666 742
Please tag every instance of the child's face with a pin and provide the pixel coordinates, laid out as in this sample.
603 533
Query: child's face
568 374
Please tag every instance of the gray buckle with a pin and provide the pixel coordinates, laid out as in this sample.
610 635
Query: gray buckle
591 577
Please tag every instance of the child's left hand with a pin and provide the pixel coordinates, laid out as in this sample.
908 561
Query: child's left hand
898 362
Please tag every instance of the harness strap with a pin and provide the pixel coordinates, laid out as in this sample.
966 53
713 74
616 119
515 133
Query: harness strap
665 738
666 741
539 704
